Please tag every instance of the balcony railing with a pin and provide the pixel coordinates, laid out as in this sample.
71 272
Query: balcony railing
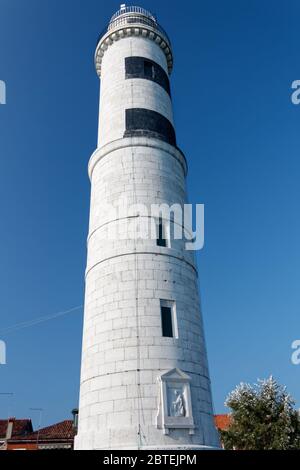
133 9
132 16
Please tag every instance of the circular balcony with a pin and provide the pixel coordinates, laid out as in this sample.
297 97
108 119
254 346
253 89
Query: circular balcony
133 21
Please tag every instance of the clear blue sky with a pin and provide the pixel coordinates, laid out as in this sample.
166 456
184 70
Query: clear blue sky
234 65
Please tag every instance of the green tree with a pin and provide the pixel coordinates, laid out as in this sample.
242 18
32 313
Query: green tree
263 417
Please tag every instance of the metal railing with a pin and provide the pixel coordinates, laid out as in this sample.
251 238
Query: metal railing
133 9
131 20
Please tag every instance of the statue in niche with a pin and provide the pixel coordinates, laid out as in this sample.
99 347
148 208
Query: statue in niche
177 406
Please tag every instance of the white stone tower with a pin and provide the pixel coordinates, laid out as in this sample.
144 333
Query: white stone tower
144 378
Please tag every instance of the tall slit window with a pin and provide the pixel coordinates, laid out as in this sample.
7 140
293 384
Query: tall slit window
149 70
161 233
168 319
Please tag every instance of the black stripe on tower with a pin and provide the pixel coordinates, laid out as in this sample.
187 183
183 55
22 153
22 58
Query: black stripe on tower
140 67
142 122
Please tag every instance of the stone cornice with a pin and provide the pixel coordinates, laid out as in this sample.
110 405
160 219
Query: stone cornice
102 152
175 254
135 30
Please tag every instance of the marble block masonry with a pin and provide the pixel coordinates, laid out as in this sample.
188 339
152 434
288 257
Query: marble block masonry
144 373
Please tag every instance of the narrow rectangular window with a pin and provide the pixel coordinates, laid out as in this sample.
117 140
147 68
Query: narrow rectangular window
168 319
148 69
161 236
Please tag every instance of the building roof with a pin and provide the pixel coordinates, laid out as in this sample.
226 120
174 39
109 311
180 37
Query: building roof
222 422
20 427
63 431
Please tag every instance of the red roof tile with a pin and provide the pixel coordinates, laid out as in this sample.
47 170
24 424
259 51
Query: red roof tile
20 427
222 422
60 431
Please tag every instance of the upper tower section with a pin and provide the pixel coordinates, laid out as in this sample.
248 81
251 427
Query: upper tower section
133 21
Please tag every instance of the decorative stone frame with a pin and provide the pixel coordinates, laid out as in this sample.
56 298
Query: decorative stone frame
173 380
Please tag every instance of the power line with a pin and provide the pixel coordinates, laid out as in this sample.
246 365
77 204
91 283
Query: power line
36 321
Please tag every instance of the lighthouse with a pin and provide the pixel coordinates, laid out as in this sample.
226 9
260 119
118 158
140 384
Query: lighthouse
144 373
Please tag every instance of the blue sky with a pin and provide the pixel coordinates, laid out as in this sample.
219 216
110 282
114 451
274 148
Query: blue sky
234 65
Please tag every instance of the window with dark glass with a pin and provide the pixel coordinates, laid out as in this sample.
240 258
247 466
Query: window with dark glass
149 71
166 321
161 236
142 122
141 67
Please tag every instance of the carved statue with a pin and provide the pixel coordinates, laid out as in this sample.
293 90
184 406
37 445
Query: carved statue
177 407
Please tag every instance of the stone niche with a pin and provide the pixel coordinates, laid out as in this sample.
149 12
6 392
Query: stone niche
175 404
